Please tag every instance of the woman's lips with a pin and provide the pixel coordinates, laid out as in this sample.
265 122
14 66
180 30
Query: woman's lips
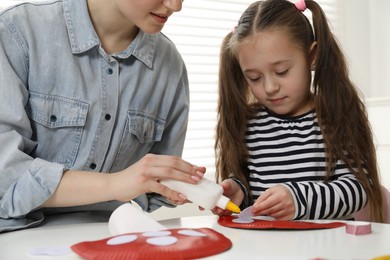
160 18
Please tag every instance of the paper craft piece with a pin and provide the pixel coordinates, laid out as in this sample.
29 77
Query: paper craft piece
162 241
128 219
245 216
358 228
191 233
122 240
243 220
171 247
264 218
51 251
227 221
246 213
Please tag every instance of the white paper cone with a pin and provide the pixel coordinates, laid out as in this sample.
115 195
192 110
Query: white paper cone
128 219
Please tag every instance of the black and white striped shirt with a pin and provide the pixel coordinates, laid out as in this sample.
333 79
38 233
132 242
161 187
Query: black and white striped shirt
290 151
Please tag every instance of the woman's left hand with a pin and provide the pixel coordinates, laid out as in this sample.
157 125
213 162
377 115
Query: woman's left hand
276 202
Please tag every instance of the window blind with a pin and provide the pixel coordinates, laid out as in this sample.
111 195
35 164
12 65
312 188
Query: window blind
198 31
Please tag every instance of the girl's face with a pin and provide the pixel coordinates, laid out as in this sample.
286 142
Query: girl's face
277 71
148 15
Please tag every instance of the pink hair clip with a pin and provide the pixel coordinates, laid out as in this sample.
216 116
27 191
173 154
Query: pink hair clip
300 5
234 29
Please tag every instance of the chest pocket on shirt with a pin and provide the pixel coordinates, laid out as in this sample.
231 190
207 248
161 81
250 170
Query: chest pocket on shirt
142 130
147 128
57 125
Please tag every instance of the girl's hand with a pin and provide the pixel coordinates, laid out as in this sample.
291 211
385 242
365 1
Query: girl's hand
233 191
276 202
144 176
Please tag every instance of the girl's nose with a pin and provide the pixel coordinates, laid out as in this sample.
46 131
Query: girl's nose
174 5
271 86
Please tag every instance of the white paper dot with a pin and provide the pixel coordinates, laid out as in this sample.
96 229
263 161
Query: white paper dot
157 234
51 251
121 240
242 220
162 241
191 233
265 218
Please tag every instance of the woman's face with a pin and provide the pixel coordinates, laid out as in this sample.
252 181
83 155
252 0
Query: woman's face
277 71
148 15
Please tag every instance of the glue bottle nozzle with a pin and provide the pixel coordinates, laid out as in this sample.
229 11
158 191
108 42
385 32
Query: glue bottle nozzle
232 207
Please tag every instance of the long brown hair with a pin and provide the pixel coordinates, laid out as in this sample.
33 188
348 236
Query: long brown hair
341 113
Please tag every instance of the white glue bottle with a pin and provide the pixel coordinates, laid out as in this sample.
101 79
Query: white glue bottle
205 193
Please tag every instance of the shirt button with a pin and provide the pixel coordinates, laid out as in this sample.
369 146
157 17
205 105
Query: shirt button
53 118
92 166
109 71
108 117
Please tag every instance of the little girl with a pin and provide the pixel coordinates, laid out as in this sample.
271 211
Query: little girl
292 147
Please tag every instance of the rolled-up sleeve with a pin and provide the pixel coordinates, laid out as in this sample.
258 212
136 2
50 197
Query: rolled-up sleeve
33 187
25 182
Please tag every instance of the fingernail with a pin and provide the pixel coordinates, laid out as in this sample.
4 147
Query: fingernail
183 196
195 178
201 174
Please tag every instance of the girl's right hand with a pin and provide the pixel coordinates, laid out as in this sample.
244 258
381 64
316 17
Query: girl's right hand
144 176
276 202
233 191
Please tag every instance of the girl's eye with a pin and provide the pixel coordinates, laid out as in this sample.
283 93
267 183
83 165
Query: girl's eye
253 79
282 73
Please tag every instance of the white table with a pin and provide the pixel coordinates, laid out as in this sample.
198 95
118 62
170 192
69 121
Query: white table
330 244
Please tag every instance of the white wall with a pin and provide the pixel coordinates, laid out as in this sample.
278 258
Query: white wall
378 112
366 42
379 48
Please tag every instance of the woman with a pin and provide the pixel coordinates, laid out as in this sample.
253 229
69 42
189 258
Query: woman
89 88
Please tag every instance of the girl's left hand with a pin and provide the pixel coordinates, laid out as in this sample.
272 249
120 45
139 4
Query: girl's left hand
276 202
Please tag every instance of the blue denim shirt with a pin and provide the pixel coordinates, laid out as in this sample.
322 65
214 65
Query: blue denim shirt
66 104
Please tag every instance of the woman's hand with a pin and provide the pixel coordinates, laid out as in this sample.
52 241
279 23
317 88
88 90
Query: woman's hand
81 187
276 202
144 176
233 191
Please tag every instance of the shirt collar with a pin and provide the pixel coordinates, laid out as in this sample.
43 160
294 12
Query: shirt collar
83 37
